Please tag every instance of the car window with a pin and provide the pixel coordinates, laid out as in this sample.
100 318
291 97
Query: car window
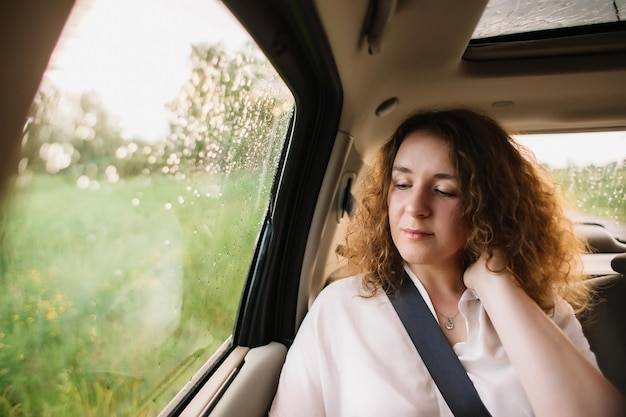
590 169
146 170
505 17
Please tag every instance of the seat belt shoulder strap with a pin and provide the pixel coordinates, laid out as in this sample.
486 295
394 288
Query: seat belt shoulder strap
442 363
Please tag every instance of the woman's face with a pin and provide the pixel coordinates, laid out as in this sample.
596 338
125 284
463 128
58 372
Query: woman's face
424 203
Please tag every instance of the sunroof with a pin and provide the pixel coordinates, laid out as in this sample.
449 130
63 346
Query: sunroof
506 17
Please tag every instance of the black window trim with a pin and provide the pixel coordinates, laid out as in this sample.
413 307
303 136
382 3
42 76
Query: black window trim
283 30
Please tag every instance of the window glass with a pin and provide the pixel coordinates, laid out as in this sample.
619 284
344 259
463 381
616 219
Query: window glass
146 170
590 168
505 17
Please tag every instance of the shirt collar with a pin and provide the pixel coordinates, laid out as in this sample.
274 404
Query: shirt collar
468 294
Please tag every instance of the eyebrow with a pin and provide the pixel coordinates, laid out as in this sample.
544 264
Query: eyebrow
441 175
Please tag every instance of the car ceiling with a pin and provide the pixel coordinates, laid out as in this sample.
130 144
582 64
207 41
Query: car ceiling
421 64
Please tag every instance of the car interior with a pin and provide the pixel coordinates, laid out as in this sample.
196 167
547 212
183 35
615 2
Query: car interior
356 70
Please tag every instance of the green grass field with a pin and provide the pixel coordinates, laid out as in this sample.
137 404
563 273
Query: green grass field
113 297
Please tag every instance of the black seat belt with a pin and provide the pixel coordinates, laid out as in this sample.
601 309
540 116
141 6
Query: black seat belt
440 360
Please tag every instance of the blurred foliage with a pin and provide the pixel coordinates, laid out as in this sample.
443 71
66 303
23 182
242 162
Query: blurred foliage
595 190
224 119
225 115
122 260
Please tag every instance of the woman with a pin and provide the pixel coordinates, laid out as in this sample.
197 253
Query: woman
455 204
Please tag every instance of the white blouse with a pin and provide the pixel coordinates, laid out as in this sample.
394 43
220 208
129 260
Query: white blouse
353 357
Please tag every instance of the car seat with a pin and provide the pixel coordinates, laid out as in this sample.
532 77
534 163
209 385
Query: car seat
604 323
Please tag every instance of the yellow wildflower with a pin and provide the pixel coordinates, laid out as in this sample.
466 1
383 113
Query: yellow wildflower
51 314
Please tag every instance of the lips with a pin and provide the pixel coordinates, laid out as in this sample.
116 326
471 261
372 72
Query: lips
416 234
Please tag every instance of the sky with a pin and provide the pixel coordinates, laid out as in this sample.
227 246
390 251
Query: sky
580 149
134 53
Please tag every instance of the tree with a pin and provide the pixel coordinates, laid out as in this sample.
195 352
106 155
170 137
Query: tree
72 135
224 116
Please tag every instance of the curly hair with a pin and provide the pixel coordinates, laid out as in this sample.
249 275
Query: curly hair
508 203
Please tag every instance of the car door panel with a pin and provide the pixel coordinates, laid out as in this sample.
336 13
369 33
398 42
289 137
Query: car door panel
251 392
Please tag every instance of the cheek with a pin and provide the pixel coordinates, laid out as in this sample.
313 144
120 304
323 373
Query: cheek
395 208
392 205
455 220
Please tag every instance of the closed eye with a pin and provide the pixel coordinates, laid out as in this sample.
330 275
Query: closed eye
443 193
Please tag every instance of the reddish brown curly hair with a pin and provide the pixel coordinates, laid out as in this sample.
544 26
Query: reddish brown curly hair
509 204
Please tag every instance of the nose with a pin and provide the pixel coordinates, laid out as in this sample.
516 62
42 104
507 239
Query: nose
418 203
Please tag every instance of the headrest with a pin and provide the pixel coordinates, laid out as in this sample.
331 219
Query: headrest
618 263
598 238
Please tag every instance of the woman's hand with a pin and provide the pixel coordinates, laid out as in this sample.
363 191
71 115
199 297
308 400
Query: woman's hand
487 268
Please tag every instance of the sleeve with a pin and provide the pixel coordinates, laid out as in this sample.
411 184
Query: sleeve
565 318
300 386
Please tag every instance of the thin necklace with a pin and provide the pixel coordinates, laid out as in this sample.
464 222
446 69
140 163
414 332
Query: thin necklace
449 325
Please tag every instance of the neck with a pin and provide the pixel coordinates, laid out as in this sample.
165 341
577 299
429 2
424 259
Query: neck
443 285
443 282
